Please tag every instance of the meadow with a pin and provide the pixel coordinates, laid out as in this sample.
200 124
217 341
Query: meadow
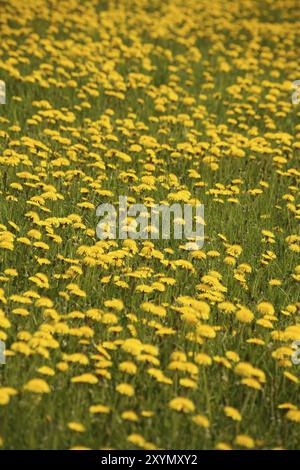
144 344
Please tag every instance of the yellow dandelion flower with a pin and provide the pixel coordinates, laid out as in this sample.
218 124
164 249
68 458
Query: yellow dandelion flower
243 440
125 389
182 404
129 416
265 308
37 386
94 409
77 427
232 413
201 420
85 378
293 415
244 315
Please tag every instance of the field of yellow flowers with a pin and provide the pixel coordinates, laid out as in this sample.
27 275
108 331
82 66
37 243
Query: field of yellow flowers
129 344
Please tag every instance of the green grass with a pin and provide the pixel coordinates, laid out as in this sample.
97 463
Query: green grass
100 45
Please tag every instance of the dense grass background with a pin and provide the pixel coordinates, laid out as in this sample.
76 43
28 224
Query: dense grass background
210 82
